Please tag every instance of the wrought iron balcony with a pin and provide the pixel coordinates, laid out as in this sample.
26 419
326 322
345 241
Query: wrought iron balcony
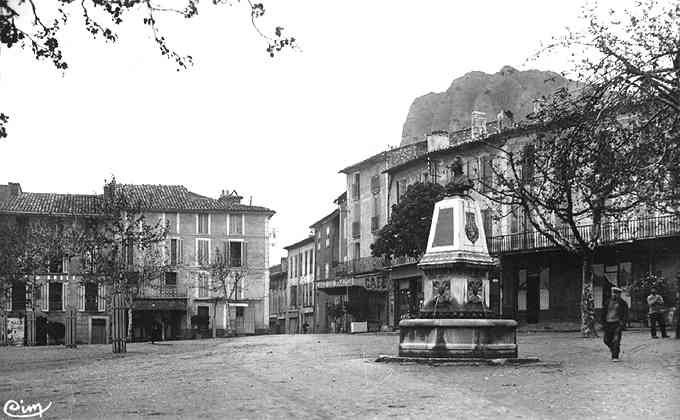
404 260
360 265
610 233
162 292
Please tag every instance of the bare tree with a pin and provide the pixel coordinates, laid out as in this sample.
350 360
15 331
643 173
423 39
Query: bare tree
109 243
603 151
227 279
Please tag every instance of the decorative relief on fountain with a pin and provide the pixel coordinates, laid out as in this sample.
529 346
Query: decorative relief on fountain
471 229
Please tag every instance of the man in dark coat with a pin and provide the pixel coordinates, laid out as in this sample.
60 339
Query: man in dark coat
615 321
656 313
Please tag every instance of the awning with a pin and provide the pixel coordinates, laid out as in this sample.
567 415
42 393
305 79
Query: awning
406 271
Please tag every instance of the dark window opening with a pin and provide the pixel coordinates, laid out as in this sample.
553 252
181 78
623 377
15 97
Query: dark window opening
55 297
91 296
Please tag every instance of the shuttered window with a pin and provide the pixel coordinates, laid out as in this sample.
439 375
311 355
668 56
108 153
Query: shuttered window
101 298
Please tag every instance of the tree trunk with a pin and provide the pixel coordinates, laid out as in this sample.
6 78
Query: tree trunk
129 325
3 326
118 323
587 302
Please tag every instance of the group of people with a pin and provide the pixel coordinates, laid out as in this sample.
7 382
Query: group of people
616 317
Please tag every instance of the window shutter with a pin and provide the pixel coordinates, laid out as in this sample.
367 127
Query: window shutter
45 296
180 252
64 296
81 297
228 253
544 289
101 298
8 302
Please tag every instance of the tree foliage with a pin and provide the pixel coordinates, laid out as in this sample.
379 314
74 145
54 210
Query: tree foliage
406 232
38 26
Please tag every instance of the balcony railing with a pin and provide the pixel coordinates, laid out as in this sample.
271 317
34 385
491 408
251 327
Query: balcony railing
623 231
405 260
360 265
162 292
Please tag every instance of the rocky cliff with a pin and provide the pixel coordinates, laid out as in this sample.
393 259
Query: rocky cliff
509 89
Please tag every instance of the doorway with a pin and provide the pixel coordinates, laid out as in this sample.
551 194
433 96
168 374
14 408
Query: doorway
98 334
533 297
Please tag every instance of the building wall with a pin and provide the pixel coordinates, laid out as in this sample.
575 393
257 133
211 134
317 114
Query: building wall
327 245
301 279
368 204
254 234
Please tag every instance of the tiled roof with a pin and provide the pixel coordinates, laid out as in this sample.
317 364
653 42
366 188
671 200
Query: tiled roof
327 217
47 203
150 197
178 197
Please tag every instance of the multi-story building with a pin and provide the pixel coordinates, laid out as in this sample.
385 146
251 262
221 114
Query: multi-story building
537 282
300 312
36 305
368 291
186 301
327 256
278 296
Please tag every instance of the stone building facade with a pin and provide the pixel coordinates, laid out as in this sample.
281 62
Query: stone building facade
184 301
535 281
327 240
300 287
278 296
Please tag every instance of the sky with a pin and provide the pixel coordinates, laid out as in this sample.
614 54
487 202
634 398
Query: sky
275 130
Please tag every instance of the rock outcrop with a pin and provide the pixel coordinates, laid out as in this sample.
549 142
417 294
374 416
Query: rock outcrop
508 90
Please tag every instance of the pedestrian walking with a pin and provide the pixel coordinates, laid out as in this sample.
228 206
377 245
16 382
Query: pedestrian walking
657 313
615 321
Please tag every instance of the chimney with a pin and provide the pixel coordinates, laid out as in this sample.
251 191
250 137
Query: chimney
505 120
230 198
14 189
478 125
437 140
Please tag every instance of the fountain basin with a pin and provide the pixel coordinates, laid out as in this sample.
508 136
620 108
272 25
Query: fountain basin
458 338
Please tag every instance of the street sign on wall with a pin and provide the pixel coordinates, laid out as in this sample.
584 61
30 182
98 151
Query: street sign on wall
15 331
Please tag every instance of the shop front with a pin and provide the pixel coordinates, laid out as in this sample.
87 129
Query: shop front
158 318
362 298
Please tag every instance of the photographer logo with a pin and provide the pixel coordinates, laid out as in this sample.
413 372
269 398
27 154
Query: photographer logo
20 411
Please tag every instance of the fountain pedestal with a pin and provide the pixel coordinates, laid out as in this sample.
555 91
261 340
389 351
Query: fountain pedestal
456 321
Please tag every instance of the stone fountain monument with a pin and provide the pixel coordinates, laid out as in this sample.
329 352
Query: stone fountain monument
455 322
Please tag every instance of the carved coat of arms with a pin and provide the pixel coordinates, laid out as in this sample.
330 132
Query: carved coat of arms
471 229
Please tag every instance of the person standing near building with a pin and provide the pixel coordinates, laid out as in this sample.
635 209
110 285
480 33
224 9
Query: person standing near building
656 313
615 320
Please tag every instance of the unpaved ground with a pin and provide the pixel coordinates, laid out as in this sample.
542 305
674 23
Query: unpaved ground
334 376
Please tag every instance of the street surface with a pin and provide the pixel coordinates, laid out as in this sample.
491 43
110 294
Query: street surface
335 376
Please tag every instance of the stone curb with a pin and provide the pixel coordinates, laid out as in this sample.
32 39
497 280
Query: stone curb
466 361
